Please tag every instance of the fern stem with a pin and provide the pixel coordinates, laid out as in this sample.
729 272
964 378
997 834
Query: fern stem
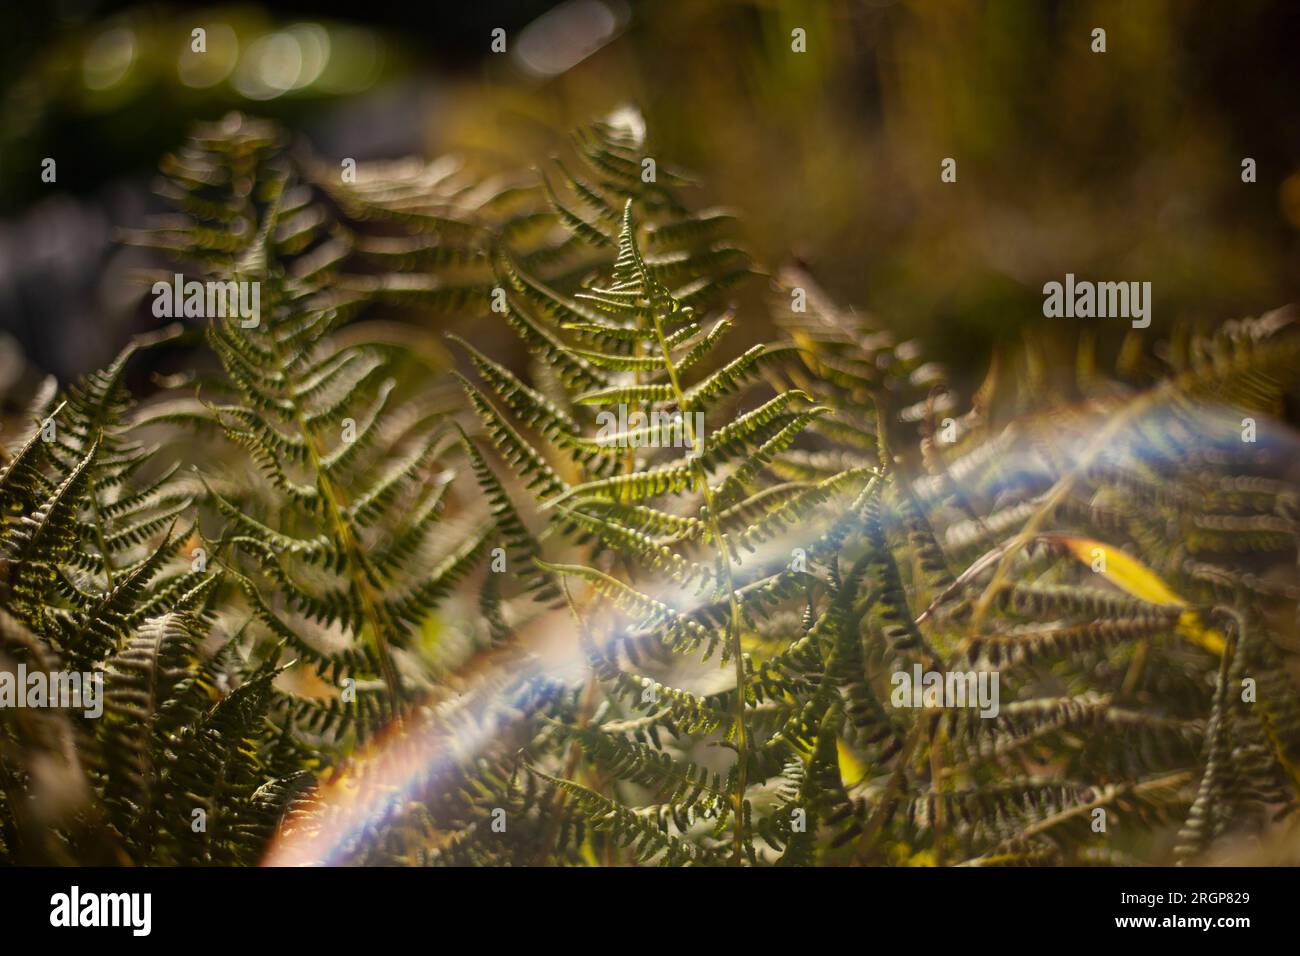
586 706
357 564
936 779
904 757
99 531
733 621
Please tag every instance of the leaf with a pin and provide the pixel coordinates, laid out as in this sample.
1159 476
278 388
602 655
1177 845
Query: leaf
1135 578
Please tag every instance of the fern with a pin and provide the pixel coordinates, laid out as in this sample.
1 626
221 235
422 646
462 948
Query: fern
644 597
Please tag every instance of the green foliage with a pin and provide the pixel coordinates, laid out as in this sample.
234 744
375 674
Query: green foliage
645 595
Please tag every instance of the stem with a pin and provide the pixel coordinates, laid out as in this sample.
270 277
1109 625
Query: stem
99 533
733 622
586 706
335 502
936 778
877 818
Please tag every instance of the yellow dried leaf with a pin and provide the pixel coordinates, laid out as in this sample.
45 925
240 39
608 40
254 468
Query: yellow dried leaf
1133 577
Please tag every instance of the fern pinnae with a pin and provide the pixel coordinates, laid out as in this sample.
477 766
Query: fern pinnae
517 451
681 630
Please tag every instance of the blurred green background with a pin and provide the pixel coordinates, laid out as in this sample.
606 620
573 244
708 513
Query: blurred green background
1123 165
